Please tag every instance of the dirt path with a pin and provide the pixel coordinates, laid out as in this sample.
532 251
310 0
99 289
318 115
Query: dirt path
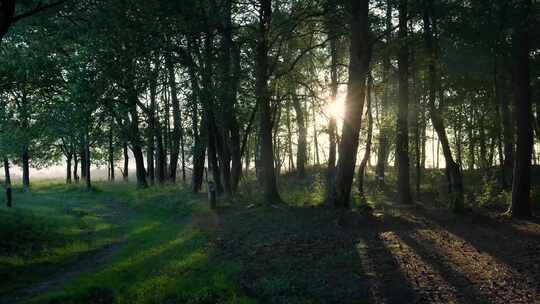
416 256
116 214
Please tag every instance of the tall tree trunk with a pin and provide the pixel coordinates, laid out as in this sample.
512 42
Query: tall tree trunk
7 184
521 186
367 154
417 136
402 131
7 13
229 142
506 125
236 149
199 131
453 171
482 143
161 157
25 168
183 156
213 165
125 171
301 153
158 170
111 155
218 154
135 140
82 154
88 163
167 132
332 19
472 141
247 155
199 152
177 123
75 166
382 154
268 175
69 157
150 150
360 57
315 135
7 174
289 137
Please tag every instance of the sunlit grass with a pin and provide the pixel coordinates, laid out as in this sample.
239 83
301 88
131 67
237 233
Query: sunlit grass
161 255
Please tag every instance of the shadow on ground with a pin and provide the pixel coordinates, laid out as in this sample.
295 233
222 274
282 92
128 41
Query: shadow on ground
301 255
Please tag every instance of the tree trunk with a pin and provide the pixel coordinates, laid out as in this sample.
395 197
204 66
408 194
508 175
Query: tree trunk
7 13
402 131
25 168
69 157
289 137
9 193
453 171
7 175
482 143
161 157
111 156
151 171
158 169
521 186
199 152
472 141
507 129
301 152
262 94
315 135
417 138
332 20
75 166
229 130
177 123
87 164
360 57
136 147
367 154
82 154
382 154
218 154
199 131
125 172
236 148
213 165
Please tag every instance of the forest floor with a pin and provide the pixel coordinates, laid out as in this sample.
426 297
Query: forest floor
401 255
119 245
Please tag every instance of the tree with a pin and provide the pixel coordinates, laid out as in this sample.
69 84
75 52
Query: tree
262 93
382 154
369 137
453 171
402 131
521 186
360 57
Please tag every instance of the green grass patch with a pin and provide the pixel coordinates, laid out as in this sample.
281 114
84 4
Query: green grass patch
160 255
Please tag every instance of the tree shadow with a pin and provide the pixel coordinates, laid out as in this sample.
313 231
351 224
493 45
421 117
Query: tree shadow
299 255
500 238
503 250
388 284
464 289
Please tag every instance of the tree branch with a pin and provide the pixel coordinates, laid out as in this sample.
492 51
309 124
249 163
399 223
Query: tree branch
39 8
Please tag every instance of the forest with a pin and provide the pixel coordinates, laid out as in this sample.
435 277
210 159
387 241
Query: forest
269 151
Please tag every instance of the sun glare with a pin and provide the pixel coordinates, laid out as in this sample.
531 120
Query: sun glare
336 108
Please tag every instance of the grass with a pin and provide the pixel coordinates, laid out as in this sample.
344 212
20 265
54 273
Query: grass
159 245
160 255
50 227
